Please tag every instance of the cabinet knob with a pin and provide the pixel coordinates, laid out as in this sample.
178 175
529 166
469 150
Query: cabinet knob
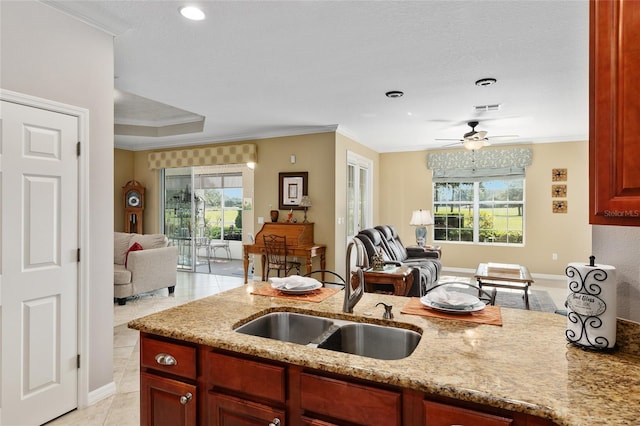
275 422
165 359
184 399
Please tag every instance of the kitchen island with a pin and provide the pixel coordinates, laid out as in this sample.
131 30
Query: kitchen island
523 370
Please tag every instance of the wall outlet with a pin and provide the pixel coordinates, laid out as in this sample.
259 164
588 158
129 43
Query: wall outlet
260 219
554 256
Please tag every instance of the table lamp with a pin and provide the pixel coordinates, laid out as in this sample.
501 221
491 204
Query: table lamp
306 203
420 219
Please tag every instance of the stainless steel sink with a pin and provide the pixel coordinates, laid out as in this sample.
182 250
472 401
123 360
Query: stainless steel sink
373 341
287 326
369 340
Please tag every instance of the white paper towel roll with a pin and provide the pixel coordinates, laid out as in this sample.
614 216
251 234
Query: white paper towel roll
591 305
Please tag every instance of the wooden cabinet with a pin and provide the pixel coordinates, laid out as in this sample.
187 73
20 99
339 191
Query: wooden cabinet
168 391
225 410
187 384
437 414
334 399
244 391
165 401
614 124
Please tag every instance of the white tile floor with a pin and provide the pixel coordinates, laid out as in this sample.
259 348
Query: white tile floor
122 409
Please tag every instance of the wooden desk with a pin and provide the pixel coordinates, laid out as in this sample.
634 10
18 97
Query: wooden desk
308 253
399 277
299 244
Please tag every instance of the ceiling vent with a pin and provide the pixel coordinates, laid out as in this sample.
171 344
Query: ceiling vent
486 108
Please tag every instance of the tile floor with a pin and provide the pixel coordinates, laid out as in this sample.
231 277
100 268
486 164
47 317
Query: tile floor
122 409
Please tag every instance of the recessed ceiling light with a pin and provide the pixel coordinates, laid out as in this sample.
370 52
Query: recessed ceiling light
394 94
192 12
486 82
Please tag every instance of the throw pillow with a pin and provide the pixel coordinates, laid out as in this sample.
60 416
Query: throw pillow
134 247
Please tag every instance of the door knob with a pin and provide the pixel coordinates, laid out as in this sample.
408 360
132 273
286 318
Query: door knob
184 399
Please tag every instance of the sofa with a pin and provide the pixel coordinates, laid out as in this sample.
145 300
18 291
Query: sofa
142 263
385 239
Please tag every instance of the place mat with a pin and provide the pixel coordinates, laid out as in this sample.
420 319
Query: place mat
314 296
489 315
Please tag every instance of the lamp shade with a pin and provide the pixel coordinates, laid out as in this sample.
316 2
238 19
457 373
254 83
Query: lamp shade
305 201
421 218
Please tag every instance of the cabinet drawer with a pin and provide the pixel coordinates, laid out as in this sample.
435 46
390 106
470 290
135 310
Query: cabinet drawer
438 414
246 376
349 402
160 355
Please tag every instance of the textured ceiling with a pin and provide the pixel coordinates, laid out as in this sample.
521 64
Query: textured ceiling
258 69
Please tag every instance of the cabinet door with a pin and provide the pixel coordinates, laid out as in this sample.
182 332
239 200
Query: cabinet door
226 410
614 144
445 415
165 401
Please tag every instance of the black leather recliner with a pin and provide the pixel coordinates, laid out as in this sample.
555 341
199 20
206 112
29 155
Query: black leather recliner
385 239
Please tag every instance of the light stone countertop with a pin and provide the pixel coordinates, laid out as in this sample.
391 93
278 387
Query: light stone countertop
525 365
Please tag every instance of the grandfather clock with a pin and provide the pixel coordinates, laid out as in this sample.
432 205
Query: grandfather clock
133 193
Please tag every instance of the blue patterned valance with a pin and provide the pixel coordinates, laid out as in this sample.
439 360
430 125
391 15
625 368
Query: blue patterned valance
476 165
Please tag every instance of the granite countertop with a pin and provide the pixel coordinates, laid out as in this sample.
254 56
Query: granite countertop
525 365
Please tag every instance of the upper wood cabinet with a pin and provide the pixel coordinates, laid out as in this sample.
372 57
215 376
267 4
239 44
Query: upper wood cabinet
614 116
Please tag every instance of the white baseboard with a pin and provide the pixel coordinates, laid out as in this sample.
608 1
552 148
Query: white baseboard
101 393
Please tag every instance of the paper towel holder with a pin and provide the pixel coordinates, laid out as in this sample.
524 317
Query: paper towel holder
589 324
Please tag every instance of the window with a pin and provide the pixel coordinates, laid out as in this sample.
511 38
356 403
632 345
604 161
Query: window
484 212
359 199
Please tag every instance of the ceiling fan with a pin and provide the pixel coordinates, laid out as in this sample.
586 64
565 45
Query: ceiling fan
473 139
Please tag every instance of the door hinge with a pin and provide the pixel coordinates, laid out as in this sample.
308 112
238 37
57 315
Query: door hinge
78 361
78 149
78 255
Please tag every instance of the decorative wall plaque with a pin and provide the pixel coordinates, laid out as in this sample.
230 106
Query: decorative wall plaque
560 206
558 191
559 175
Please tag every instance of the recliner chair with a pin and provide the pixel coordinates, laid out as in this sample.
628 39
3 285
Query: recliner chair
426 264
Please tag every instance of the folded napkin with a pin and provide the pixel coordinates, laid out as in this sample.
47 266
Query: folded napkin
293 281
451 298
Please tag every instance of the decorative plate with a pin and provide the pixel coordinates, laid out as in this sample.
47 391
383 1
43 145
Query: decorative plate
459 310
460 300
299 290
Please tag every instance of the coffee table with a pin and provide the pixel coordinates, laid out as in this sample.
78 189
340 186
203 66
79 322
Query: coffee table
519 278
400 277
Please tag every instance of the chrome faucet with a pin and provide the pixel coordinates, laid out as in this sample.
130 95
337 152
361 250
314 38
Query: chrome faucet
352 295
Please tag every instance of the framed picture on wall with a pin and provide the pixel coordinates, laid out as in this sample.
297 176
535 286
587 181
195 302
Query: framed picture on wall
291 187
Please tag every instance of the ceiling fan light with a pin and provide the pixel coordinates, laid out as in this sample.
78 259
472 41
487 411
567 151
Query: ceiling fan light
192 12
473 144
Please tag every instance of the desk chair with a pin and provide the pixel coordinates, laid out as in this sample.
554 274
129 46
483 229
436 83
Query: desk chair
252 240
275 247
333 281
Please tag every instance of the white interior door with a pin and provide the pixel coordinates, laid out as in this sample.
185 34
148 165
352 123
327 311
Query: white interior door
39 267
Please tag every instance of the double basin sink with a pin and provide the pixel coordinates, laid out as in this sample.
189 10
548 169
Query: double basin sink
369 340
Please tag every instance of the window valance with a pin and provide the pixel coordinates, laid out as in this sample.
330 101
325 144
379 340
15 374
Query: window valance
479 165
209 156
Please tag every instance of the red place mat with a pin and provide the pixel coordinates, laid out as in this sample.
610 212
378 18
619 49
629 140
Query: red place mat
314 296
489 315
